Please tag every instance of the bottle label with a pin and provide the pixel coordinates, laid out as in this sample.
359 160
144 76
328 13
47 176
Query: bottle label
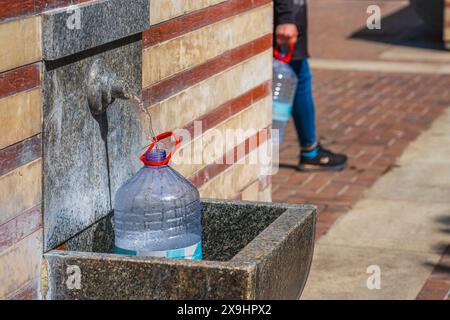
281 111
191 253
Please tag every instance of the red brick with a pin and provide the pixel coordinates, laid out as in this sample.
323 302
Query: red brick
352 193
321 230
20 227
329 216
346 176
433 294
297 179
194 21
282 194
214 169
14 8
161 32
19 79
333 188
318 181
20 154
28 292
197 19
339 206
309 197
43 5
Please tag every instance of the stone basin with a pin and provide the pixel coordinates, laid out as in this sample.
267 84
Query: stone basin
251 251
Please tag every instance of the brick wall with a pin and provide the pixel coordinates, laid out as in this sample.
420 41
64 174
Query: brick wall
207 61
214 65
20 150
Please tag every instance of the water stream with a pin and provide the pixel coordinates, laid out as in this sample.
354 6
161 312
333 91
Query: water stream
141 106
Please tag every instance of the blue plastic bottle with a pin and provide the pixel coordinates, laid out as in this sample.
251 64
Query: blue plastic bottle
284 86
158 212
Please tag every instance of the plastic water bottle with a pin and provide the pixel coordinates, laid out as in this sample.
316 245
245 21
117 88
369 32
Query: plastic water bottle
158 212
284 86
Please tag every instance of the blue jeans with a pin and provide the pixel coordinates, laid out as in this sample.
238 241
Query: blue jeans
304 111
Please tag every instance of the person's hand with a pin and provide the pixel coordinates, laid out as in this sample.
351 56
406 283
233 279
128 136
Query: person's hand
286 34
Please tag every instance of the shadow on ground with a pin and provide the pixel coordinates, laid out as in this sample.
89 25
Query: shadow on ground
443 267
403 28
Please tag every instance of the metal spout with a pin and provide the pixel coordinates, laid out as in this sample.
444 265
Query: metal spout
104 87
119 90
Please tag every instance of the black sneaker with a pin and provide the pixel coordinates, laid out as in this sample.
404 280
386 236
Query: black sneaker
324 161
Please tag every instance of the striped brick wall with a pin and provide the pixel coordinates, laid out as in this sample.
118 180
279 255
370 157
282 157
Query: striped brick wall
205 60
20 150
13 9
214 66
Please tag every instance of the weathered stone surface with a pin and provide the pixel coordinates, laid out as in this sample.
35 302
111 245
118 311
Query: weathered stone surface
252 251
228 227
87 158
74 29
283 254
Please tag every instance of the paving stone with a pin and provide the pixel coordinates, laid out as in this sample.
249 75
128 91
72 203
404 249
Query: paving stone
400 225
100 23
372 103
373 145
340 272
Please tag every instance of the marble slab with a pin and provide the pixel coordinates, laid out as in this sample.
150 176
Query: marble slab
87 157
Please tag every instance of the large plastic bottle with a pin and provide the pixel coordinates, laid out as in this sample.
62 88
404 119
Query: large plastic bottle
157 212
284 85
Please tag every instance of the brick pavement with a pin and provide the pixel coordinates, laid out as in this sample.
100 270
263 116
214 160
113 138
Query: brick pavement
370 116
338 31
437 286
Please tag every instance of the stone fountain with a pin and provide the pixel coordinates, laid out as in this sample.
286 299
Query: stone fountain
92 138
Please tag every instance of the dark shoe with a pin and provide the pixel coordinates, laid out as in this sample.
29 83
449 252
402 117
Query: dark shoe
324 161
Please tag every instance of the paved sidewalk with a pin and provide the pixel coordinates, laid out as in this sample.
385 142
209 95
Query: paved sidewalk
401 226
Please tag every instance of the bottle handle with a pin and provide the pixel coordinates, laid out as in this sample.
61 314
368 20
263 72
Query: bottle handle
156 139
286 58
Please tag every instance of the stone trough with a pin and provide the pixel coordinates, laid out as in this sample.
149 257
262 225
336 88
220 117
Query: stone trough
251 251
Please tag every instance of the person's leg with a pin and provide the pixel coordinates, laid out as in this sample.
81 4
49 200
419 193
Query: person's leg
312 157
303 110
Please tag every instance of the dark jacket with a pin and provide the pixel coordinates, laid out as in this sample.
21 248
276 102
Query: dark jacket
294 11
